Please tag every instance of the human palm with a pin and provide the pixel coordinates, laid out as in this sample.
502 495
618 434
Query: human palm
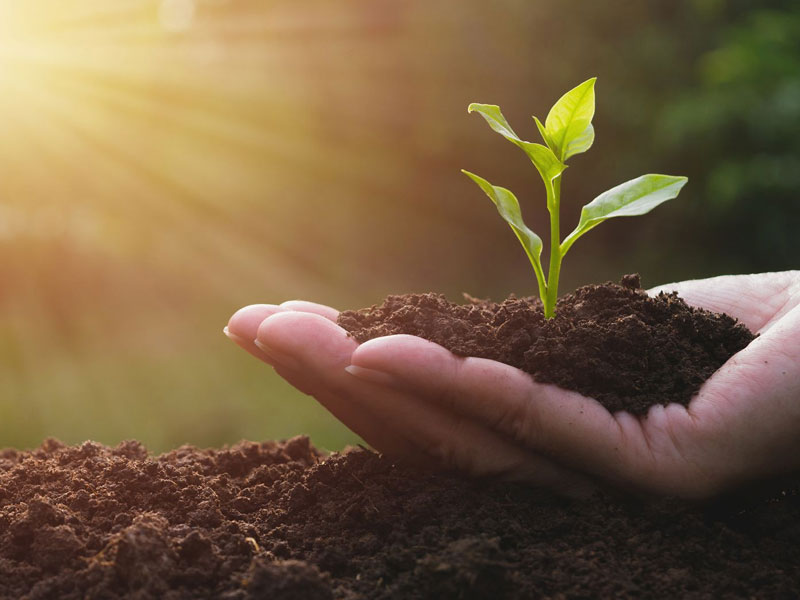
414 400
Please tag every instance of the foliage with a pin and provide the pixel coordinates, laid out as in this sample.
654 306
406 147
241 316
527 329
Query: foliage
567 131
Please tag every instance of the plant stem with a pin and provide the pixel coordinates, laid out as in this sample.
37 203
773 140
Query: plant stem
554 206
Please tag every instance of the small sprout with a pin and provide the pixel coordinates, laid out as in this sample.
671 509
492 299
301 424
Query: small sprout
567 131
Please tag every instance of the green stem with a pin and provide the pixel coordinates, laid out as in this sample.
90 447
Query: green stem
554 205
537 268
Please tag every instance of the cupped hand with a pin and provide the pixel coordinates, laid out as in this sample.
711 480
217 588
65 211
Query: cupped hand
415 401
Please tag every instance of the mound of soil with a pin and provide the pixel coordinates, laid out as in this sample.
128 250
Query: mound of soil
280 521
610 342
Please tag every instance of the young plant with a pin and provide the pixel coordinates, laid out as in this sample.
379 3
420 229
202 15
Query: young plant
567 131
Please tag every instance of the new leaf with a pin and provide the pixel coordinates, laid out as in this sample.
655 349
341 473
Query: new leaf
568 126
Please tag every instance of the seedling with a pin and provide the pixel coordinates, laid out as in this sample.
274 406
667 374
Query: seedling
567 131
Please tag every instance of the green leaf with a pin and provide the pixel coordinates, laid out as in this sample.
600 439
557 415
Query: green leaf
581 143
569 122
545 136
542 157
508 207
495 119
635 197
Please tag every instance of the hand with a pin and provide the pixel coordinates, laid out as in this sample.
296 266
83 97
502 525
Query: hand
415 401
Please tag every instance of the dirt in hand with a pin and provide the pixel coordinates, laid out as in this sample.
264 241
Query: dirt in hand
279 520
610 342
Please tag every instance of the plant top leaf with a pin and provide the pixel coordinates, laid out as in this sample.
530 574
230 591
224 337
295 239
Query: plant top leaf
569 123
635 197
542 157
580 143
544 133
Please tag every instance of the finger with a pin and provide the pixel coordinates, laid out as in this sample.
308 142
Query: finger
758 300
458 443
562 425
311 307
311 353
243 326
243 329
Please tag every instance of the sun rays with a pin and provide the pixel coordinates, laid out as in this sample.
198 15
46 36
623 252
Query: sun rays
146 150
158 121
163 162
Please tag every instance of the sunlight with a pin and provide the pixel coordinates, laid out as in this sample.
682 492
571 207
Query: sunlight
176 15
87 88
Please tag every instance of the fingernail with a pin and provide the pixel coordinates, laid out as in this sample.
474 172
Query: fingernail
371 375
236 338
277 358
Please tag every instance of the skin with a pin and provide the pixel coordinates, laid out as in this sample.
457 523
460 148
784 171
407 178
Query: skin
416 402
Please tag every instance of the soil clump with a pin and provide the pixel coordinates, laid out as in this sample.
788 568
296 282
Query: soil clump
610 342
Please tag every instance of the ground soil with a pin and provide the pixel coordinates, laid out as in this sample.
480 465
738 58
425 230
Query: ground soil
280 521
610 342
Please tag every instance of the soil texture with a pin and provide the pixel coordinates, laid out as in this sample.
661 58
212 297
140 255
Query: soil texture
610 342
280 521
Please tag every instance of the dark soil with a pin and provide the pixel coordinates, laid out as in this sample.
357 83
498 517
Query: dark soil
610 342
279 521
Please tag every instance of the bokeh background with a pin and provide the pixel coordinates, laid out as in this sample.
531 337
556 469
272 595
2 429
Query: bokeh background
163 163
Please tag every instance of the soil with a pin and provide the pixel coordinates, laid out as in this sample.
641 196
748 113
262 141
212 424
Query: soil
280 521
610 342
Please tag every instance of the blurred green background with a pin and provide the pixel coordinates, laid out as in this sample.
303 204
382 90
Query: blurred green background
163 163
